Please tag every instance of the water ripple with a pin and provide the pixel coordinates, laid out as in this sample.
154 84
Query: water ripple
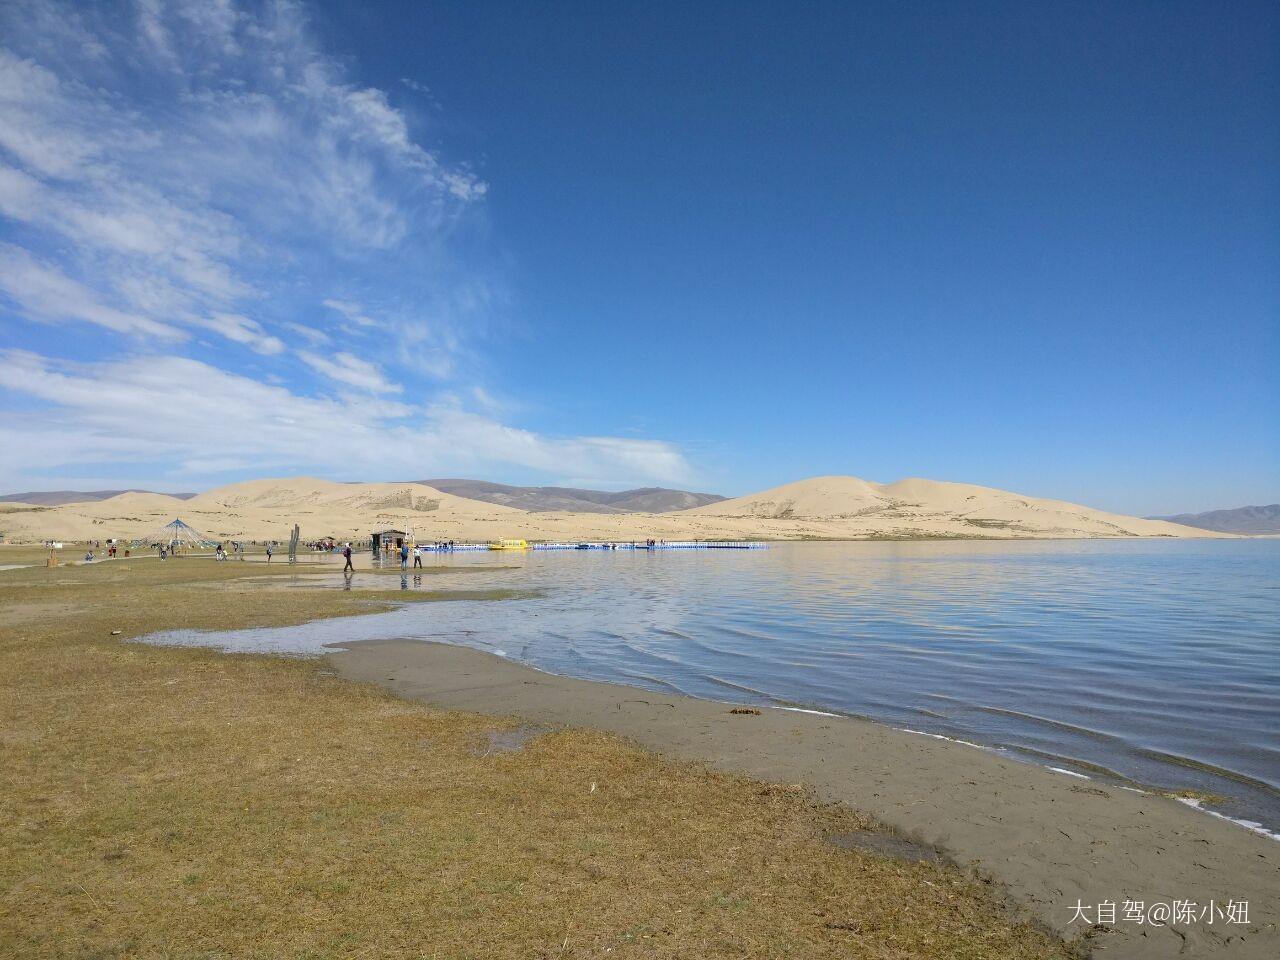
1149 662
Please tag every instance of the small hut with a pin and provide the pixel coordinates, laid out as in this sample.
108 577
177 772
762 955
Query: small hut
384 541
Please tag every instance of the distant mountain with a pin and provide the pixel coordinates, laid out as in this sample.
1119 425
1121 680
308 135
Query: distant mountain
55 498
1240 520
574 500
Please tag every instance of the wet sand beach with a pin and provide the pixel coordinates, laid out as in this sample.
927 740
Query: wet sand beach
1050 839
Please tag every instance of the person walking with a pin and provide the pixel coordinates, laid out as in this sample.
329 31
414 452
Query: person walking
417 557
269 551
404 556
346 552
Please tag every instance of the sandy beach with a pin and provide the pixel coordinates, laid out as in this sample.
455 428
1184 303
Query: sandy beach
1049 839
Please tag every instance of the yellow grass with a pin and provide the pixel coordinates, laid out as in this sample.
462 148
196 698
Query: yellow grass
181 804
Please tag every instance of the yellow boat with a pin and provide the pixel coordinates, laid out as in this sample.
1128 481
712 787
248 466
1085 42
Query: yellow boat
509 545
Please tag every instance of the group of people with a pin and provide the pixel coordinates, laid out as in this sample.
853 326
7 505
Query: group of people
403 551
113 550
222 554
329 546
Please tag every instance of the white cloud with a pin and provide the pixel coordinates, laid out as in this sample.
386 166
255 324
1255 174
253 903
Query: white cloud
352 311
174 409
42 291
310 334
243 330
491 441
252 146
41 127
175 170
350 369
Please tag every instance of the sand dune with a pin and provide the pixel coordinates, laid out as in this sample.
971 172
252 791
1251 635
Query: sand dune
818 508
825 497
933 505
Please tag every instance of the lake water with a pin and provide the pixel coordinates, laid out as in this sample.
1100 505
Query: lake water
1155 664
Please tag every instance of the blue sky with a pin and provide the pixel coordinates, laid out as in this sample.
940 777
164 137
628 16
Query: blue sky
720 246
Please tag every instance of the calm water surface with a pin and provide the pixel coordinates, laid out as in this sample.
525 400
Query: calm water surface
1153 663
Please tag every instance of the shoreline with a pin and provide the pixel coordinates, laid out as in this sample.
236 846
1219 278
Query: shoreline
966 537
1050 839
1085 737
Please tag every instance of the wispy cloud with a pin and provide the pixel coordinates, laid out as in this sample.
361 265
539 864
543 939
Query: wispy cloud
350 369
352 311
45 292
225 206
310 334
243 330
190 193
201 418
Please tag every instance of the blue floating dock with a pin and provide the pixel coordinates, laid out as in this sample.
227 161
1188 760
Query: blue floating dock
660 545
594 545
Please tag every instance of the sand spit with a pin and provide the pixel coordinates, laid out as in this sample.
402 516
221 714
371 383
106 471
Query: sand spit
1051 840
829 508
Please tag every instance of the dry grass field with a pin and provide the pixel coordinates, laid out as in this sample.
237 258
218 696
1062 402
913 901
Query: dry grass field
172 803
